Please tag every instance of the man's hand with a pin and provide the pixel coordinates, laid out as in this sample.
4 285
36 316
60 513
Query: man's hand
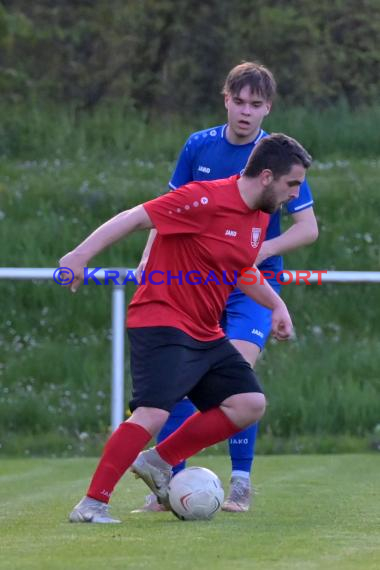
282 326
76 263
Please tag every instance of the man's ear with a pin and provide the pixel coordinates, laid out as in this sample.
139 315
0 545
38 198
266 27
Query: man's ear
226 98
268 106
266 177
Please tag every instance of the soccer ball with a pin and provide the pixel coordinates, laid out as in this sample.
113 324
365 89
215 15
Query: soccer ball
195 493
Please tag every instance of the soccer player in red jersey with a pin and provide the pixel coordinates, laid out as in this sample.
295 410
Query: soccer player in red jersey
219 152
207 233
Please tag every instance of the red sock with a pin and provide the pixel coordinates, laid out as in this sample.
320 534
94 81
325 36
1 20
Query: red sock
199 431
119 453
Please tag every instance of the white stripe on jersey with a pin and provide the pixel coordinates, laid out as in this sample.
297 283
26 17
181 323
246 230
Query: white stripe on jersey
259 136
302 206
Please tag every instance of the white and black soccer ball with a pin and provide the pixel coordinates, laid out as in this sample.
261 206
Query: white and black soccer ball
195 493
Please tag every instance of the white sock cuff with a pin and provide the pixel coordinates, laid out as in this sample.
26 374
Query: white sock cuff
242 474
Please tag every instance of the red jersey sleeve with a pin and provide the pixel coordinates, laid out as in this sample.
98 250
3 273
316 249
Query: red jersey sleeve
188 210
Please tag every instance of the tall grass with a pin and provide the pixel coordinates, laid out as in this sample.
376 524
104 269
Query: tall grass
55 347
332 132
46 131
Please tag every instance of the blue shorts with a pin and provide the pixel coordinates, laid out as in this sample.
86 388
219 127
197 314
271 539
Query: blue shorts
244 319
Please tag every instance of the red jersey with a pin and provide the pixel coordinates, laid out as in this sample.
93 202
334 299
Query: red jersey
206 236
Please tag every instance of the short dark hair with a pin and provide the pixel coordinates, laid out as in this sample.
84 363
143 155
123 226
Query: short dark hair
253 74
278 153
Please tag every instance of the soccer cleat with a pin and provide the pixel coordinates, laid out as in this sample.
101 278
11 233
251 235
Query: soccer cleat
151 505
91 511
155 473
239 498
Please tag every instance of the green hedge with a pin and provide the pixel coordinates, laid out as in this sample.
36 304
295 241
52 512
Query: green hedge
174 54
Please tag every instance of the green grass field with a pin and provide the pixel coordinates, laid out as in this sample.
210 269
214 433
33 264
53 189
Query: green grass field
310 513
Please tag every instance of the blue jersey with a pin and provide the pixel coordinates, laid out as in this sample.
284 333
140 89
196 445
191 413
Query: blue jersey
207 155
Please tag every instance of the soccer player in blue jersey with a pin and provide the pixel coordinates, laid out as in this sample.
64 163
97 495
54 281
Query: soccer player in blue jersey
220 152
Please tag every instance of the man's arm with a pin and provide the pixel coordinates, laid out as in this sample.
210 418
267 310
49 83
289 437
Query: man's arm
110 232
303 231
254 286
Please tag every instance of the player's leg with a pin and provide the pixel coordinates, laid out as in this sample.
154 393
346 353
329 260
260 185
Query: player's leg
118 455
180 413
242 445
154 395
229 397
248 325
242 449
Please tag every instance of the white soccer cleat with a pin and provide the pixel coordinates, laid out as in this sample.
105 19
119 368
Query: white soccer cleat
155 473
239 497
151 505
91 511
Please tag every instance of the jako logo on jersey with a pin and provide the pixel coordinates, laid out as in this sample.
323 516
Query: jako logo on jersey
255 236
257 333
205 169
231 233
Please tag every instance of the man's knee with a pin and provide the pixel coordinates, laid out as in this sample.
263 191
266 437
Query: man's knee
152 419
244 409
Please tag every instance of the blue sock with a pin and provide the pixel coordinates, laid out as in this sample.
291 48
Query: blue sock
179 414
242 449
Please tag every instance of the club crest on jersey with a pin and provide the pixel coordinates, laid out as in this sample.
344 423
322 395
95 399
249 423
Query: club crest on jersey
255 237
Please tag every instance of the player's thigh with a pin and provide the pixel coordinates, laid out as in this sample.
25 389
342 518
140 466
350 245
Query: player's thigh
163 370
249 351
246 320
229 374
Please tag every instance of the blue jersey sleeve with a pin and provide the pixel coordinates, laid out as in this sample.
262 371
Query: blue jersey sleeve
304 200
183 172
